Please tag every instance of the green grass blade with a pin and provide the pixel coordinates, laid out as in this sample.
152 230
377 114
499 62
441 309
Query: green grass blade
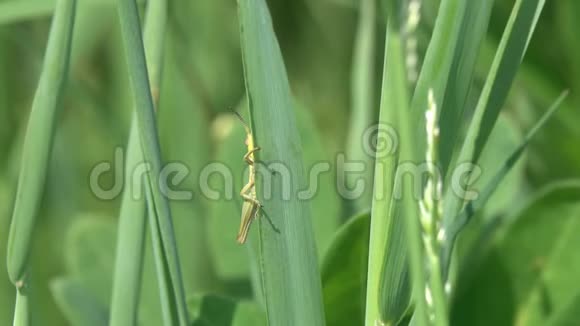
169 311
288 262
473 30
130 245
38 140
138 75
407 207
475 206
21 310
506 62
437 65
363 108
388 293
132 218
434 75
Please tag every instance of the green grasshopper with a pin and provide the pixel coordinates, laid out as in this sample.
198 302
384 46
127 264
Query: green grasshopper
252 205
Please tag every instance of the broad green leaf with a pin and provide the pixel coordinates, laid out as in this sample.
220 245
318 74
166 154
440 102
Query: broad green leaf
184 130
529 274
325 202
78 304
90 254
184 136
344 272
208 51
288 260
213 310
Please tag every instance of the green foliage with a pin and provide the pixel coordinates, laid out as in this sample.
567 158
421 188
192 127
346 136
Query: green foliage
22 315
526 276
78 304
509 55
162 232
287 258
14 11
502 142
473 30
384 229
344 274
6 287
363 99
84 294
212 310
310 74
90 244
38 141
475 206
232 260
394 289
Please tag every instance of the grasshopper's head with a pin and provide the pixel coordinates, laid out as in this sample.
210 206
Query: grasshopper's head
249 141
249 138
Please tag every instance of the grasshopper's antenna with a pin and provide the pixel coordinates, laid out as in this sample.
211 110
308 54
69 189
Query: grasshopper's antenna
248 130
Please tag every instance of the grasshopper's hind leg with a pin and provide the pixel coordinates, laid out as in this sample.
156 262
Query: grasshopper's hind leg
248 156
252 199
247 195
247 188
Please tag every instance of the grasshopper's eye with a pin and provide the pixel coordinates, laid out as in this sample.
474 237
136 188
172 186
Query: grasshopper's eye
246 142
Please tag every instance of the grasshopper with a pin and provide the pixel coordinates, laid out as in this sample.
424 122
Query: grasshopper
252 205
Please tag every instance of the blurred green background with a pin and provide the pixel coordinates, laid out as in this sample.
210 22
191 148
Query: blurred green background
75 235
